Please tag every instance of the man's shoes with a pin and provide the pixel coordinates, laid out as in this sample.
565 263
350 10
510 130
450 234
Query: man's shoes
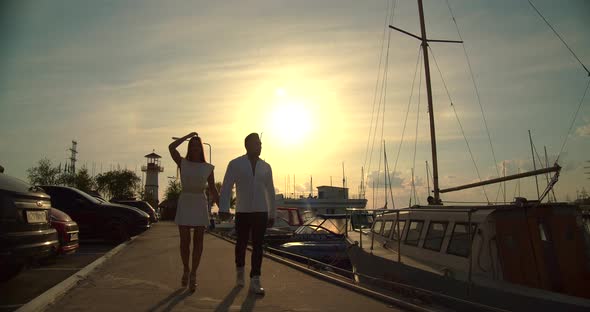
240 277
255 286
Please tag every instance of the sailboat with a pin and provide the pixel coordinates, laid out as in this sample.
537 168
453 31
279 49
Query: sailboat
525 255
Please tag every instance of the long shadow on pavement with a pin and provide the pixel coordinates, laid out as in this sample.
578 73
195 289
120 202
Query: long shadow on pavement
172 300
228 300
249 302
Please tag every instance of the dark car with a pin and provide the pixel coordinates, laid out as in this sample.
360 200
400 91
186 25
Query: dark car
140 204
97 219
67 230
25 229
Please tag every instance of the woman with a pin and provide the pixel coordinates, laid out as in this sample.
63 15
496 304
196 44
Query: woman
192 209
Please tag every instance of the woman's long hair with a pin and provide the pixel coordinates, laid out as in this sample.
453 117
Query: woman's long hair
200 157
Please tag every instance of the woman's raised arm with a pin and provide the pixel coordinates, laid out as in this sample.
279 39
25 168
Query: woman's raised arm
172 147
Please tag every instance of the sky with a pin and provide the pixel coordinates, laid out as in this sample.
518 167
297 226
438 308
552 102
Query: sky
123 77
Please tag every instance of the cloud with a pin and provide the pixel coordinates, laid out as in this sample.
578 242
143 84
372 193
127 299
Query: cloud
583 131
376 179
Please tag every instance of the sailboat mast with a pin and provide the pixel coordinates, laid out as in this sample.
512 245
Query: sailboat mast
430 108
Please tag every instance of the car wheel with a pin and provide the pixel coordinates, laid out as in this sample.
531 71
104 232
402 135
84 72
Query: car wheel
117 232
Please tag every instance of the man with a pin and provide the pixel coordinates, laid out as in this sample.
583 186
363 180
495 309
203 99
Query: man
255 207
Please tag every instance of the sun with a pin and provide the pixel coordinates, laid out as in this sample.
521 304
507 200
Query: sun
290 120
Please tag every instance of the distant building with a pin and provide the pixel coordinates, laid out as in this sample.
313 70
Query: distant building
330 200
152 169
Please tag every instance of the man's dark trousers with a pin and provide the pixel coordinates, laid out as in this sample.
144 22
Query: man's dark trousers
246 223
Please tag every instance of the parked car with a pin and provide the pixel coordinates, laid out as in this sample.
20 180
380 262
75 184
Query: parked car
97 219
25 229
140 204
67 230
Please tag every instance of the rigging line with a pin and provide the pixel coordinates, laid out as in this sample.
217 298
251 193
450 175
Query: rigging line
414 189
547 175
416 136
384 173
381 102
388 175
418 62
384 88
560 38
475 87
379 175
386 75
498 192
573 121
459 122
381 106
375 128
470 152
385 29
515 187
542 165
383 80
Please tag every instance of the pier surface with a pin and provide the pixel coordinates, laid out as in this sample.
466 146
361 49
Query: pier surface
145 276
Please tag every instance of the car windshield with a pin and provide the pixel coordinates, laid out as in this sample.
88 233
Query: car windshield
16 185
148 204
100 199
87 196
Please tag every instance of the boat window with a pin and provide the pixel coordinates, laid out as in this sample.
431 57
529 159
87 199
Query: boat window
459 244
435 235
402 224
361 221
377 226
414 232
387 228
321 225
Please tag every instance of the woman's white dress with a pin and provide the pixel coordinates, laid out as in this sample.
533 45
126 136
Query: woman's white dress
192 206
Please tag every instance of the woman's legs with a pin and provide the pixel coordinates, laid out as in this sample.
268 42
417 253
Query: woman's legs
185 240
197 248
197 251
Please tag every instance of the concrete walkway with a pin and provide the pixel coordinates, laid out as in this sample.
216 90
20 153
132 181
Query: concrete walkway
145 276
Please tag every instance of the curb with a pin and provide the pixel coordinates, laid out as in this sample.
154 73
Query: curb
41 302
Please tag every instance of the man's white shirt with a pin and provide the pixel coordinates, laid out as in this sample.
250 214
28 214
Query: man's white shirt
255 192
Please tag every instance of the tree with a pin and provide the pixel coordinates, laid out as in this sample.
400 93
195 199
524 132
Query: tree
66 178
173 190
43 174
117 183
83 181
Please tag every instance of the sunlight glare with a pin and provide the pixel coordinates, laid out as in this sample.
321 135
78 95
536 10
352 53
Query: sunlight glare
280 92
291 122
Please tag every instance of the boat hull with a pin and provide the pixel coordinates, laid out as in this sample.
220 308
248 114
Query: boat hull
512 297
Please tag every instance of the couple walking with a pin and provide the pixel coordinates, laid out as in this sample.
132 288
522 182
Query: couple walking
255 208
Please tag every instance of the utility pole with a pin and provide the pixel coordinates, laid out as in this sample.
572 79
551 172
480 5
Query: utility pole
73 157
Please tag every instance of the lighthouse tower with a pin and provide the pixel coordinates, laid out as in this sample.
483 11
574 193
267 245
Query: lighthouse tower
152 169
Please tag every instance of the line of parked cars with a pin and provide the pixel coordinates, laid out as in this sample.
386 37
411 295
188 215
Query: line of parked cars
39 222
